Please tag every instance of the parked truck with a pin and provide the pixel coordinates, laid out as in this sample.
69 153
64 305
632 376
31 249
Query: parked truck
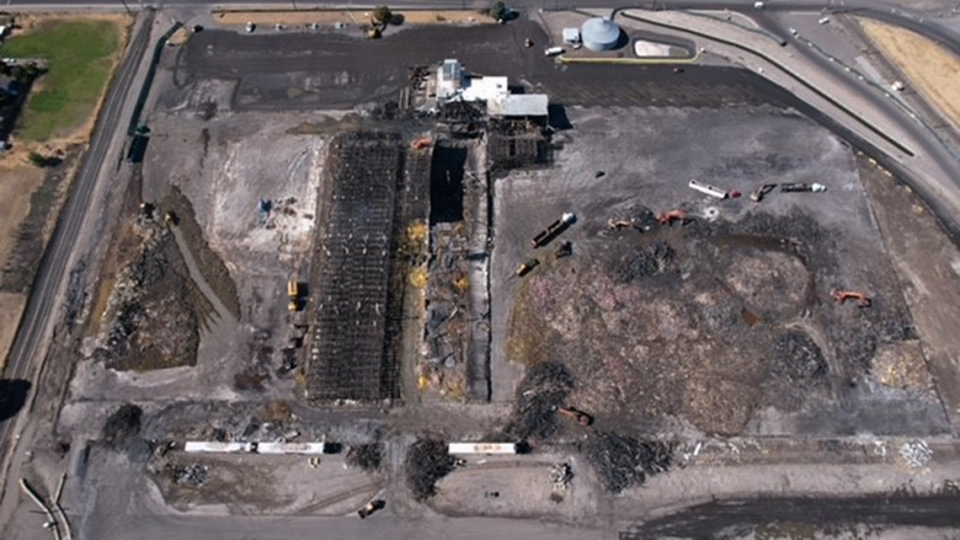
553 230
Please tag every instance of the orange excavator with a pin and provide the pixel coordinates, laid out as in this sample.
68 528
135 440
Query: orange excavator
841 296
667 218
421 143
581 417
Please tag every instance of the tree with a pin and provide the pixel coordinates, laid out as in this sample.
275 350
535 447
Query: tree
382 15
37 159
498 10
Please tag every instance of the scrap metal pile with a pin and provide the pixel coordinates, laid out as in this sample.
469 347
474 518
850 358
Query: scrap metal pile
623 462
643 262
542 391
153 314
367 457
427 462
446 333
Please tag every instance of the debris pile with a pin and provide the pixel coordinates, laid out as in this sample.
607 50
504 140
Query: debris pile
797 357
367 457
191 475
916 453
622 462
446 327
644 262
544 388
152 317
122 426
561 474
515 144
427 462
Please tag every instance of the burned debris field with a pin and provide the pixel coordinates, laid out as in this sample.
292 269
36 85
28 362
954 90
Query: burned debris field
720 316
323 283
352 269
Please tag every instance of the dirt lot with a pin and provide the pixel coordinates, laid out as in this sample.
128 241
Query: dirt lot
11 305
934 75
18 183
328 17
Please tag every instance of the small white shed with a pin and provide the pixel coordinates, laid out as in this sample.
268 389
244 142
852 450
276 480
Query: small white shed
571 35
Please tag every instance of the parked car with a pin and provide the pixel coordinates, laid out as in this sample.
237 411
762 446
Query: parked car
371 507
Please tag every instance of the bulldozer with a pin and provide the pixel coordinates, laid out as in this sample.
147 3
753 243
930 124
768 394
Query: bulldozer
667 218
840 296
581 417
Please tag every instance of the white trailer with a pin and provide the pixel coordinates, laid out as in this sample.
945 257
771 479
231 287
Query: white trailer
303 449
216 447
708 189
474 448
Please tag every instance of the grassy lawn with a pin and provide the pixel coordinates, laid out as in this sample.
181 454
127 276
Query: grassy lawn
80 56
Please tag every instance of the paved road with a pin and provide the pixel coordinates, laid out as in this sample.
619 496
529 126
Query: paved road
53 267
931 148
893 11
377 527
938 511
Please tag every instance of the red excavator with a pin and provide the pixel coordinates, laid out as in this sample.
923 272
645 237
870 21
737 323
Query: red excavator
667 218
841 296
581 417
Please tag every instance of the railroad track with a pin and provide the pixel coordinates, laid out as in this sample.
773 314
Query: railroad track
340 497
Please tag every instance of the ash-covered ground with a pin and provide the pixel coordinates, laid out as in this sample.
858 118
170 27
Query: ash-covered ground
723 324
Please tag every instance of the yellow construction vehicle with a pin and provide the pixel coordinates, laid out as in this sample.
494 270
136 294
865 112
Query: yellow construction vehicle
527 267
293 292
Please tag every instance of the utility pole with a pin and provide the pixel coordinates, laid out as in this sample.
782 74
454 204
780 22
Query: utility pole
125 6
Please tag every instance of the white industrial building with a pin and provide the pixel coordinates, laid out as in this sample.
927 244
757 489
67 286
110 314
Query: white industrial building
454 85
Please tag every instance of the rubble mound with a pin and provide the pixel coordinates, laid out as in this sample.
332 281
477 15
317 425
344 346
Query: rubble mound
122 426
427 462
797 357
366 457
154 312
623 462
544 388
644 262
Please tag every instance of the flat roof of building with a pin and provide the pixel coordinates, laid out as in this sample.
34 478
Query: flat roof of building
519 105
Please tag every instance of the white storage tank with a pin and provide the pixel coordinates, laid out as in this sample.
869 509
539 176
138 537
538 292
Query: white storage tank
600 34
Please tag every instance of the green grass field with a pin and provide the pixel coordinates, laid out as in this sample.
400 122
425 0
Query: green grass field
80 56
